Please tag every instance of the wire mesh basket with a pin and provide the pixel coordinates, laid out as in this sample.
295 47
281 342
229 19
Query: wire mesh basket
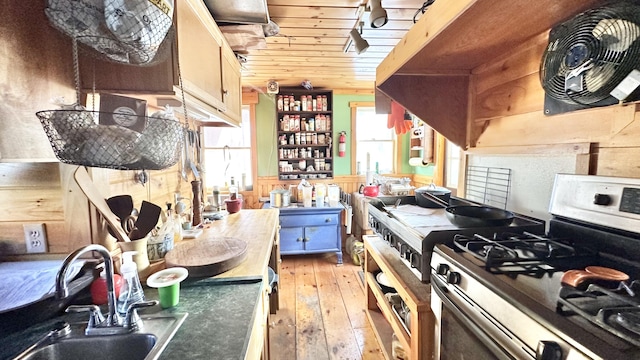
133 32
77 139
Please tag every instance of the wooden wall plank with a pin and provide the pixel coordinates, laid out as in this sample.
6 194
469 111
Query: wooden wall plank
12 239
36 67
519 96
591 125
29 205
522 61
618 161
44 194
28 175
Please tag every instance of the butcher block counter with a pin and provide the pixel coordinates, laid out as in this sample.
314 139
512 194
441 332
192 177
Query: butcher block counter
259 228
227 314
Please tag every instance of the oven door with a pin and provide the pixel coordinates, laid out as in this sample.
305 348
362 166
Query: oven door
464 331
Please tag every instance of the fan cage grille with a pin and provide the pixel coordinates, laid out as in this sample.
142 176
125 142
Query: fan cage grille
602 44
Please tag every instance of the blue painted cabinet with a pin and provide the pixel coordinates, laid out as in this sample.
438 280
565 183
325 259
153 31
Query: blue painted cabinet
311 230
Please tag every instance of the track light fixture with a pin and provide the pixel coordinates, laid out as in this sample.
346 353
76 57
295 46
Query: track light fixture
378 16
361 45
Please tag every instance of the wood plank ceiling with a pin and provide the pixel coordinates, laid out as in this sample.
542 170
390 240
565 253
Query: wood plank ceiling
310 44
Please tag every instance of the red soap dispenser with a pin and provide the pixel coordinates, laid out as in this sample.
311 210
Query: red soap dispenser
99 288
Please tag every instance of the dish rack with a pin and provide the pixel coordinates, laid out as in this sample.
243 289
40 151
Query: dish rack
77 139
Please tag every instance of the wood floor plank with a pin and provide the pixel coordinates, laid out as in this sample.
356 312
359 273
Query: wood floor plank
283 324
341 340
321 312
352 294
311 343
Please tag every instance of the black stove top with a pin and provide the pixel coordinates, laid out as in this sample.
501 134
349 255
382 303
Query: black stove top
526 253
533 266
414 230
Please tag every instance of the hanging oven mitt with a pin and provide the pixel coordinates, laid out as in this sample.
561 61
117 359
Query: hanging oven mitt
396 119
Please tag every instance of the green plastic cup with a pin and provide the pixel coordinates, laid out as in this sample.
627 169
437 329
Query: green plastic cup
169 295
168 283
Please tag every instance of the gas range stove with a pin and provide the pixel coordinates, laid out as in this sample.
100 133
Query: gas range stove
413 230
596 223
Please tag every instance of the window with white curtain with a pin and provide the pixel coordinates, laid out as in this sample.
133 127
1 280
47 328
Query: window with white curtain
227 154
375 143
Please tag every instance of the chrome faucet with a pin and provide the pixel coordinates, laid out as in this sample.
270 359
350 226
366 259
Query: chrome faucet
62 290
98 325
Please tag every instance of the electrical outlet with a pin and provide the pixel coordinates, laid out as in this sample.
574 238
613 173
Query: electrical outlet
35 237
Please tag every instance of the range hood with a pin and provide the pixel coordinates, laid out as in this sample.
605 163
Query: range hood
239 11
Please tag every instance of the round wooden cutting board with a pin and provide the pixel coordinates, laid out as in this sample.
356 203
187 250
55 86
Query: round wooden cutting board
207 257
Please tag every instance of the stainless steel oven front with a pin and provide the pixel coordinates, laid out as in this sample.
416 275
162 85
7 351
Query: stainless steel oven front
474 322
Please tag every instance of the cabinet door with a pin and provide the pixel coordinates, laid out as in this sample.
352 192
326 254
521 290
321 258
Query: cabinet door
231 88
291 239
200 52
320 238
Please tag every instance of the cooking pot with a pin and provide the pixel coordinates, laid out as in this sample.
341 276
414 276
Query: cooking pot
369 190
473 216
441 193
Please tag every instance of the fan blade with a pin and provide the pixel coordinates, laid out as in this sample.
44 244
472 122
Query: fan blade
598 77
616 34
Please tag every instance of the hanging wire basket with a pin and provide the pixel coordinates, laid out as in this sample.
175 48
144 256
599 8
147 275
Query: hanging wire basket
77 139
133 32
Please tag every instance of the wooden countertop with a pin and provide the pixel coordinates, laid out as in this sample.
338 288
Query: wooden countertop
257 227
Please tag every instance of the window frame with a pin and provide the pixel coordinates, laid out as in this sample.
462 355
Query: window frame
397 140
250 103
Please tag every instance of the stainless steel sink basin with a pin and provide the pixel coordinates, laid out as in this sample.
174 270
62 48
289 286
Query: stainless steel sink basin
147 342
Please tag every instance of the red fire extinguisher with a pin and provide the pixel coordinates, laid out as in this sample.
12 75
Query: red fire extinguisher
342 144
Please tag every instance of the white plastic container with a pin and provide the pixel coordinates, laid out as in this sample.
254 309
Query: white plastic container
321 193
131 291
307 192
333 194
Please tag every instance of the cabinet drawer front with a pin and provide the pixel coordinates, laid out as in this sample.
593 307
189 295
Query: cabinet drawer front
309 220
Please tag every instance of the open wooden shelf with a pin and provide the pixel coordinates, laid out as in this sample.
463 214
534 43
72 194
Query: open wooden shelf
382 330
418 341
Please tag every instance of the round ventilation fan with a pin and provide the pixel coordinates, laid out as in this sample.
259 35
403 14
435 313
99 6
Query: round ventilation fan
589 55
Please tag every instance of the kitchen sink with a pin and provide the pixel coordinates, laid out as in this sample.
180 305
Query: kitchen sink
154 333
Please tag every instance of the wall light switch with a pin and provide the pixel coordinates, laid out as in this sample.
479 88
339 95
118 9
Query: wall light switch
35 236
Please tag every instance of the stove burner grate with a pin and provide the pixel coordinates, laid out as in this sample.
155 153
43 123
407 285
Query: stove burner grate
611 309
526 253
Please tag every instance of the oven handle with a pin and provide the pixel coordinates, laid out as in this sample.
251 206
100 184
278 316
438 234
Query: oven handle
469 323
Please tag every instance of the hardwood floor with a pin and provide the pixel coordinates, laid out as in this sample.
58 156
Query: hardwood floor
321 312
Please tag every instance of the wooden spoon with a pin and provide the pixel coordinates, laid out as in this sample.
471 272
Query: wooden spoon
93 195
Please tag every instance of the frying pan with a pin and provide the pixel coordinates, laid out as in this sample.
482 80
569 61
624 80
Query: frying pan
471 215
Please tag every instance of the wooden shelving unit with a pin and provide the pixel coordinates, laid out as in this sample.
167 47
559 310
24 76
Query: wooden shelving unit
418 340
305 134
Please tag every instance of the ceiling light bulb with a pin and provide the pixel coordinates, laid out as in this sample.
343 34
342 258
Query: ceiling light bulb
378 15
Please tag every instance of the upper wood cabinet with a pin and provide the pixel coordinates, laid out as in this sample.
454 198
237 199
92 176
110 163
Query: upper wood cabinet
231 85
200 57
431 71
